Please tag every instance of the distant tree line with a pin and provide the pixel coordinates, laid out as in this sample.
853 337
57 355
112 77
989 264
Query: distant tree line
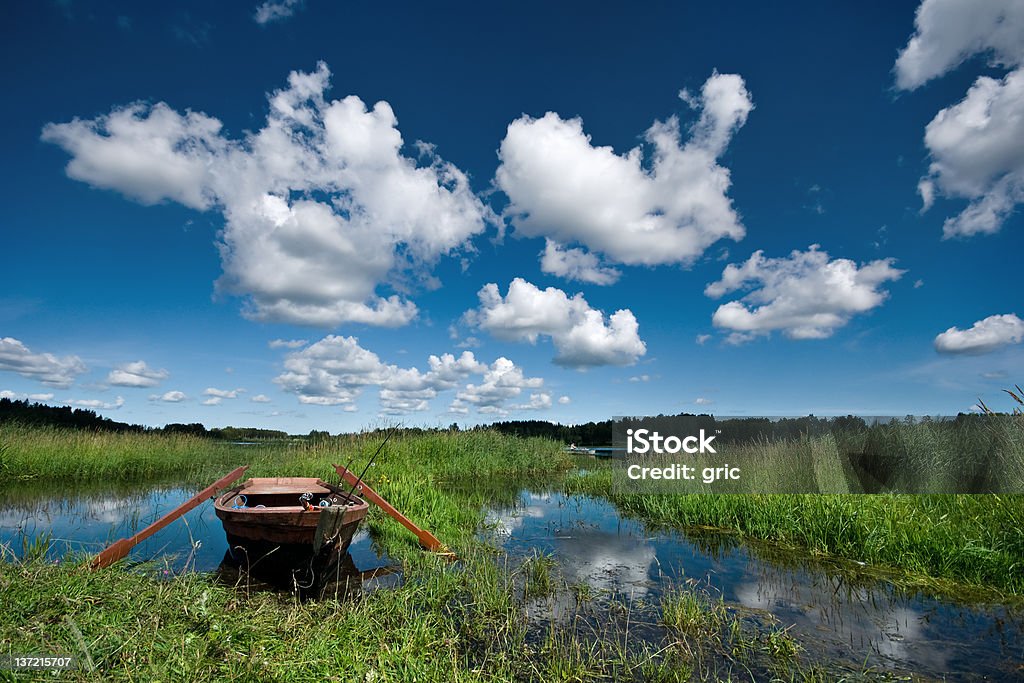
225 433
40 414
734 430
590 434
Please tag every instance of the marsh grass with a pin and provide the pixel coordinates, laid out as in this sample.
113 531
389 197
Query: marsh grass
982 452
79 455
927 540
537 579
694 613
718 642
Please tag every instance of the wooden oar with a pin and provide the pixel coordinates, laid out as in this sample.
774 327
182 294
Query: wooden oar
427 539
121 548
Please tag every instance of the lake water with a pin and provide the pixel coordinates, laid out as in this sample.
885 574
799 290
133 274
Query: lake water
835 616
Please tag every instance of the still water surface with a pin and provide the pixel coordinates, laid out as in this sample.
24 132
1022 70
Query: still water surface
834 615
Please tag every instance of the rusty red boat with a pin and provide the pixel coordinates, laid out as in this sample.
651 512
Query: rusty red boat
264 515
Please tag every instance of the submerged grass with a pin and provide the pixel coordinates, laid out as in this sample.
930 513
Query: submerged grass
709 635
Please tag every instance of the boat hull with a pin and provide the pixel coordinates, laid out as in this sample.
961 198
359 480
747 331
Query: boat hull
266 515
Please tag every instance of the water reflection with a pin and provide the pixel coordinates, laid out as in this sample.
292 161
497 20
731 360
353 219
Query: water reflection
332 576
836 616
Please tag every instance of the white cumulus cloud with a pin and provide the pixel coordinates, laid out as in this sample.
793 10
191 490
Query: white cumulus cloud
984 336
336 370
287 343
222 393
8 394
136 374
169 397
667 210
96 404
976 146
275 10
321 207
582 335
947 32
576 264
260 398
805 295
503 384
47 368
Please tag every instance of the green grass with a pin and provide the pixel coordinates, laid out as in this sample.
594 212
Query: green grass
132 627
982 451
694 613
717 641
78 455
536 570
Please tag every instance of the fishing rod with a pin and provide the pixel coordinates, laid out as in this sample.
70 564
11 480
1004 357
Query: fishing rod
370 462
347 465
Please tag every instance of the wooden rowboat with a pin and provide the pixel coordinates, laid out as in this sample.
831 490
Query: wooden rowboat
296 513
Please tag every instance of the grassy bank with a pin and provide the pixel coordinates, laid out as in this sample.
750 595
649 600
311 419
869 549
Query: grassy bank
977 539
445 623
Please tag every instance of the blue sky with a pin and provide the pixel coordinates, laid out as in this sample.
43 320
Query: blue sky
276 213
